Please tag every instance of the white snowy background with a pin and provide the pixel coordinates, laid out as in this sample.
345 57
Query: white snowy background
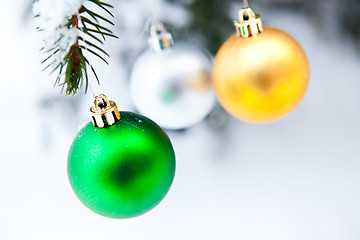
298 178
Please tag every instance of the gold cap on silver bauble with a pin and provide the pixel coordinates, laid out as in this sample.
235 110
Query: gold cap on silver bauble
103 112
249 23
160 38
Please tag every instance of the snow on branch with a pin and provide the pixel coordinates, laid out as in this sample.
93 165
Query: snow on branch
68 29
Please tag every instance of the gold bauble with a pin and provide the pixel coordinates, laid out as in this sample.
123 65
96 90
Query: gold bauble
261 78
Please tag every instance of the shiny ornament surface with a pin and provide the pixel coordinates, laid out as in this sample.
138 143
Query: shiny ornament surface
261 78
173 86
124 170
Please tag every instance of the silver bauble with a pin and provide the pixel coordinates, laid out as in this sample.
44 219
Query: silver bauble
171 83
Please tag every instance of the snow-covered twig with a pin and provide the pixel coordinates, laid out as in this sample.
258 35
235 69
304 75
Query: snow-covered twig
68 28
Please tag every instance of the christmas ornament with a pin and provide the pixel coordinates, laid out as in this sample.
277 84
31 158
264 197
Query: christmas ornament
123 166
171 83
260 74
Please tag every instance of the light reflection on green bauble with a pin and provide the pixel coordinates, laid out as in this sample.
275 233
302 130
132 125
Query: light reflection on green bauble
124 170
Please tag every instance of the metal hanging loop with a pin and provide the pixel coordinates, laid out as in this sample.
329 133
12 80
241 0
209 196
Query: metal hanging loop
246 4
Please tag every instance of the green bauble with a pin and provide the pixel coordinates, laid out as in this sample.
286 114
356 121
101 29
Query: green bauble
123 170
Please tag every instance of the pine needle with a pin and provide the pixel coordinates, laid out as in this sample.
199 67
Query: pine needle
98 55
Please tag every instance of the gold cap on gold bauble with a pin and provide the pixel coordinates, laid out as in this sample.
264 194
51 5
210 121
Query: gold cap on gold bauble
260 74
249 23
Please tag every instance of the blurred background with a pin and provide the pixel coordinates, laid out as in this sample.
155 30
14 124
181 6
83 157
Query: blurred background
297 178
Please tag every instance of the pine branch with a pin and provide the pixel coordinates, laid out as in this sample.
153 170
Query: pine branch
72 65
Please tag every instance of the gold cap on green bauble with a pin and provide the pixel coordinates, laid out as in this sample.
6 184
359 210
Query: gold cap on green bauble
103 112
260 73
